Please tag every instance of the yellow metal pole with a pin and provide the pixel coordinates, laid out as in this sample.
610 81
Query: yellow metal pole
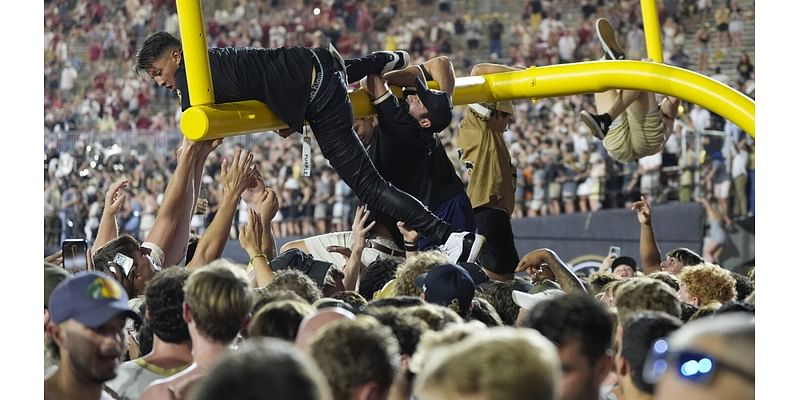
222 120
652 30
195 52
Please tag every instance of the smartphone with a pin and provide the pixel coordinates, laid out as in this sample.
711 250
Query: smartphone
74 254
614 251
124 262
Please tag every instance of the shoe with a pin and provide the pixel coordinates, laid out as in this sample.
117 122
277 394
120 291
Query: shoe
463 246
597 123
608 38
397 60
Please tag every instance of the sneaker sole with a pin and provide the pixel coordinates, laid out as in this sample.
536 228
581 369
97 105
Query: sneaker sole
587 119
405 60
608 39
476 248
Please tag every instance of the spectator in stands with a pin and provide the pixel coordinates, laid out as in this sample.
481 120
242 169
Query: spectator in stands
264 368
727 340
631 124
87 317
477 367
717 234
580 327
172 347
358 358
705 283
495 30
217 302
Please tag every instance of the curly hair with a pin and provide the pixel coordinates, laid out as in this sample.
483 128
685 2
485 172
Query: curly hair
598 280
744 286
298 282
264 295
375 277
498 294
484 311
437 317
413 267
406 328
351 297
163 298
708 282
352 353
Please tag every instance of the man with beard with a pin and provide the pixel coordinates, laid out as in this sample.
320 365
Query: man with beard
87 317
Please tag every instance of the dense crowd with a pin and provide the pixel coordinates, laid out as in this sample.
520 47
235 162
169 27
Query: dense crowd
380 298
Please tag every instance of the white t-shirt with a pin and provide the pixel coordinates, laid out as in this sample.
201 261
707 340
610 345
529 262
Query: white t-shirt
134 376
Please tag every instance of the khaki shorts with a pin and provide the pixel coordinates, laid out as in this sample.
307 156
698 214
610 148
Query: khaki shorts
632 137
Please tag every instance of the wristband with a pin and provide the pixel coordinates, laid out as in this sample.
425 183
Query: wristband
382 97
410 246
257 256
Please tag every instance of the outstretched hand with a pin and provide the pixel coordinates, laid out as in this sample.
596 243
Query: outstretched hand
532 261
115 197
251 233
643 212
360 226
240 174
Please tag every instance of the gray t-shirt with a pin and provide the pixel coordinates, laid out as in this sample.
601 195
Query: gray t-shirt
134 376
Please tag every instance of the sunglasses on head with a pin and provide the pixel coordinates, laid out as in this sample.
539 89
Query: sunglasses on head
690 365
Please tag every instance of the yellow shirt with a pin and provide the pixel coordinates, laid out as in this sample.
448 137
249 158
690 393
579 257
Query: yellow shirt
484 153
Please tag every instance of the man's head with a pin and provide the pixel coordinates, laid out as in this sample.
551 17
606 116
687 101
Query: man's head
296 281
264 368
87 317
378 273
492 364
314 322
499 295
164 297
711 358
640 294
53 275
676 259
217 301
143 269
706 283
433 109
159 58
359 358
279 319
501 114
639 332
448 285
623 267
580 327
365 128
526 302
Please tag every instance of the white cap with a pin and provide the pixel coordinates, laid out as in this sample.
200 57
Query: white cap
528 301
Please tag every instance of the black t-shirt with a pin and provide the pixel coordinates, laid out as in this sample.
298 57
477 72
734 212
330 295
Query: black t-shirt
281 78
411 158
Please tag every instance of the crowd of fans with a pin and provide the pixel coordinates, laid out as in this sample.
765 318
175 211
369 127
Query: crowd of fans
385 323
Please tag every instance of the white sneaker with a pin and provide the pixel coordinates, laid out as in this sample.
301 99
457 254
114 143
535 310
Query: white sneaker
399 60
463 246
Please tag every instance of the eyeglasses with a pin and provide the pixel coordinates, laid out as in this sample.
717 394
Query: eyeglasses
690 365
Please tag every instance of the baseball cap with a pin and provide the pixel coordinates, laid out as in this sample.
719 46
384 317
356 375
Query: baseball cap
90 298
623 260
53 275
438 103
528 301
446 283
475 272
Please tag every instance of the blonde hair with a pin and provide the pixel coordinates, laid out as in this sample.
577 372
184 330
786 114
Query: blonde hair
644 293
432 341
414 266
219 298
708 282
498 363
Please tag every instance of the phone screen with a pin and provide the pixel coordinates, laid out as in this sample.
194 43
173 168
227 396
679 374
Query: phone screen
614 251
74 254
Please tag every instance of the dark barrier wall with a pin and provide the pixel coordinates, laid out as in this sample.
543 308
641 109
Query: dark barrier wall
575 235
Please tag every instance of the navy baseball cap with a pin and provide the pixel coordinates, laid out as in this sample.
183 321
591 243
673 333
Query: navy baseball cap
624 260
448 283
438 103
90 298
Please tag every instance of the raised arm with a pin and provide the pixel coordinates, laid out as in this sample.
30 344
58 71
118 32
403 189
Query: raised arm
648 248
108 230
353 269
440 68
250 240
236 179
489 68
564 276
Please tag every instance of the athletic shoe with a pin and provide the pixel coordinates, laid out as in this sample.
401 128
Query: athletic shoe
608 38
463 246
397 60
597 123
